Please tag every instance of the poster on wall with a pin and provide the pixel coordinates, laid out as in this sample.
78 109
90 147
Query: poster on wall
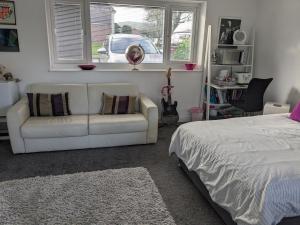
7 13
9 40
227 27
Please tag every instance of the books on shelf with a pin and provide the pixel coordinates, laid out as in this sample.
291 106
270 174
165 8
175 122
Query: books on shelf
244 58
222 97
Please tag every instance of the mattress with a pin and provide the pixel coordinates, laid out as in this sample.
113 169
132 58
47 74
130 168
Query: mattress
250 165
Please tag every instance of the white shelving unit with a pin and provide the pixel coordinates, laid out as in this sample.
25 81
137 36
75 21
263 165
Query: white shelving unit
234 87
210 68
223 45
223 65
218 105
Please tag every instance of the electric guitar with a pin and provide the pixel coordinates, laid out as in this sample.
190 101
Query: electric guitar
169 108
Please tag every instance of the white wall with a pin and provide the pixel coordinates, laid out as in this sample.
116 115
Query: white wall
244 9
32 63
278 48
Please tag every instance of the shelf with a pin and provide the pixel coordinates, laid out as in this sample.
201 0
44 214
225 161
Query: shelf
4 138
224 45
4 135
122 70
230 65
228 87
218 104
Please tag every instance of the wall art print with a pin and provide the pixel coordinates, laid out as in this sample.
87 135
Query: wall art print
7 13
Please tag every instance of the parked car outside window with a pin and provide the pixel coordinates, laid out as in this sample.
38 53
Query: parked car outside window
116 45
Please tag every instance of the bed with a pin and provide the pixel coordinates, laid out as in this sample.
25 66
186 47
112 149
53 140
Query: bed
249 167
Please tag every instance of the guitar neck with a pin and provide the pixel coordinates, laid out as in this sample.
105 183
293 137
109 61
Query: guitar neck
169 99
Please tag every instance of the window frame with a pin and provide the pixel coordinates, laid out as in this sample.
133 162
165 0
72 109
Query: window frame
168 6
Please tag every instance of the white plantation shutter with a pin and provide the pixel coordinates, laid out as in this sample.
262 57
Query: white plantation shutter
68 30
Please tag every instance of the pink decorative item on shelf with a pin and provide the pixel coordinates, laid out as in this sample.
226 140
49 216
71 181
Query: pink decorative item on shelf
87 67
190 66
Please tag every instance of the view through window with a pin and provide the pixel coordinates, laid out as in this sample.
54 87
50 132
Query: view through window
181 39
114 28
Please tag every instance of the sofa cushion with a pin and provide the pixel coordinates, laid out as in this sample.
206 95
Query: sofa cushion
55 127
116 124
48 104
95 92
118 104
78 100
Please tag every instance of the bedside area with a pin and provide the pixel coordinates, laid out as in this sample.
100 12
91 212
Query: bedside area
9 95
276 108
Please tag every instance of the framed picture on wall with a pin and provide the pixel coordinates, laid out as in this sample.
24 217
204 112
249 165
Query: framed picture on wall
227 27
7 13
9 41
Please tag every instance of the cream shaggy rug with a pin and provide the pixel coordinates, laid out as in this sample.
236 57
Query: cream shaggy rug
120 197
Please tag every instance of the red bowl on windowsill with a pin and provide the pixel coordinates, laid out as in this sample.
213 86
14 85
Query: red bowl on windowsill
190 66
87 67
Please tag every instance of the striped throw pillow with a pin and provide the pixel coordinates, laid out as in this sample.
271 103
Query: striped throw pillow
48 104
118 104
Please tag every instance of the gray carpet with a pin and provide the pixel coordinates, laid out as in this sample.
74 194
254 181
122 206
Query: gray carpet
119 196
182 199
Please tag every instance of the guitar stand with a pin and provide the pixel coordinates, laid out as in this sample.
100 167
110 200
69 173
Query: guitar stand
160 125
169 120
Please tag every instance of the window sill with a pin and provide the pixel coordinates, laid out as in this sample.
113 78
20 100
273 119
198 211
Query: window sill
122 70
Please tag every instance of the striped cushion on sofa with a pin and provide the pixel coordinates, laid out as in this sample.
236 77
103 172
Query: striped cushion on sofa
48 104
118 104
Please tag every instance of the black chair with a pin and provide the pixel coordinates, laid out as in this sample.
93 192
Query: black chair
253 100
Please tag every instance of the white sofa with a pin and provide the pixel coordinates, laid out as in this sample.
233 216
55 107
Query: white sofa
85 128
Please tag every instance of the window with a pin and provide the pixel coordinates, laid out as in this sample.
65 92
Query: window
181 39
115 27
100 31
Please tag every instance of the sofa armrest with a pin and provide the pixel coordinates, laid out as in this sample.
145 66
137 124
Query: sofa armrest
150 111
16 117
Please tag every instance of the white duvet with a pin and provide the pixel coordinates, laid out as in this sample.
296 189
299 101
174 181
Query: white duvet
250 165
